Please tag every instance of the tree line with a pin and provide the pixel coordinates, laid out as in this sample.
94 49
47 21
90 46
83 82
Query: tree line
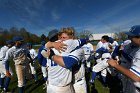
7 34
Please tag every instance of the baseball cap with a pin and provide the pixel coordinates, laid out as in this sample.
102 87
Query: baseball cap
134 31
9 42
52 33
111 40
18 38
43 43
29 44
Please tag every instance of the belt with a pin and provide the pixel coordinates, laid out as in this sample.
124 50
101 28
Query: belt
138 89
79 80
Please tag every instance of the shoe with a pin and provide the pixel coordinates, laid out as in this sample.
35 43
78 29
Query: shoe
91 82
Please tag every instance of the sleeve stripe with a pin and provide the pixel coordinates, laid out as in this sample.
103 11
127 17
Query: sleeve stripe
74 57
79 42
134 71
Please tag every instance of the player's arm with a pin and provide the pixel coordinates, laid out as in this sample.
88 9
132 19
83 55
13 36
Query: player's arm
64 61
35 56
7 57
39 56
29 56
70 60
60 46
124 70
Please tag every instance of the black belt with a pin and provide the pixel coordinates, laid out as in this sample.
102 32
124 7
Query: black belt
138 89
79 80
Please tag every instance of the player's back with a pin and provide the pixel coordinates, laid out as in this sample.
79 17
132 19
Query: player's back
19 55
3 52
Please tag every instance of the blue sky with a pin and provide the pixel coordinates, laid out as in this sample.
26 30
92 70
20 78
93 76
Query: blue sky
97 16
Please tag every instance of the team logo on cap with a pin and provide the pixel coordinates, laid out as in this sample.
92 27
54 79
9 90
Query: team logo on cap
132 29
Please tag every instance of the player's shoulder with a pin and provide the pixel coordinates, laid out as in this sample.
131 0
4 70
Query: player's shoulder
70 41
4 48
32 50
100 43
89 44
137 54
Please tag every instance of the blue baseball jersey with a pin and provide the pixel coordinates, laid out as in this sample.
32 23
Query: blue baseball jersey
3 52
19 55
42 60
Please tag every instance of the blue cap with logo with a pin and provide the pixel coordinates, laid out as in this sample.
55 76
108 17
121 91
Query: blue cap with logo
18 38
29 44
9 42
52 33
43 43
111 40
134 31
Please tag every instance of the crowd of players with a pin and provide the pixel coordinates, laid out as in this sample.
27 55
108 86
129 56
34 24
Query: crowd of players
66 62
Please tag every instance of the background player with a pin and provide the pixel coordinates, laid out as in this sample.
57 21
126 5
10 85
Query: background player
33 54
4 83
20 55
132 70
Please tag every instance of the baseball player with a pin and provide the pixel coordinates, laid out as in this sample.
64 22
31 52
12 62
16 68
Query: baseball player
103 43
132 71
43 63
63 80
3 51
113 43
102 47
20 55
89 51
33 54
80 85
103 55
59 78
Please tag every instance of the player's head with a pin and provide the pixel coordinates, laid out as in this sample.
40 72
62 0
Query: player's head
111 40
66 33
43 43
18 41
134 34
53 35
9 43
29 45
104 39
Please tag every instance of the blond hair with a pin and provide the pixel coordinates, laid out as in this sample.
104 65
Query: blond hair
69 31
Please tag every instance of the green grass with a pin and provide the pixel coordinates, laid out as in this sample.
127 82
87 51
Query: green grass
31 86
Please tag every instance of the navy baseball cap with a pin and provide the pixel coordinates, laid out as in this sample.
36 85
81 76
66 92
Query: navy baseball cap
18 38
43 43
29 44
52 34
8 42
111 40
134 31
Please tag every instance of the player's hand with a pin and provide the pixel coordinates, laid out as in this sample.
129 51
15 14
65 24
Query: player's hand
51 53
112 62
8 74
60 46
